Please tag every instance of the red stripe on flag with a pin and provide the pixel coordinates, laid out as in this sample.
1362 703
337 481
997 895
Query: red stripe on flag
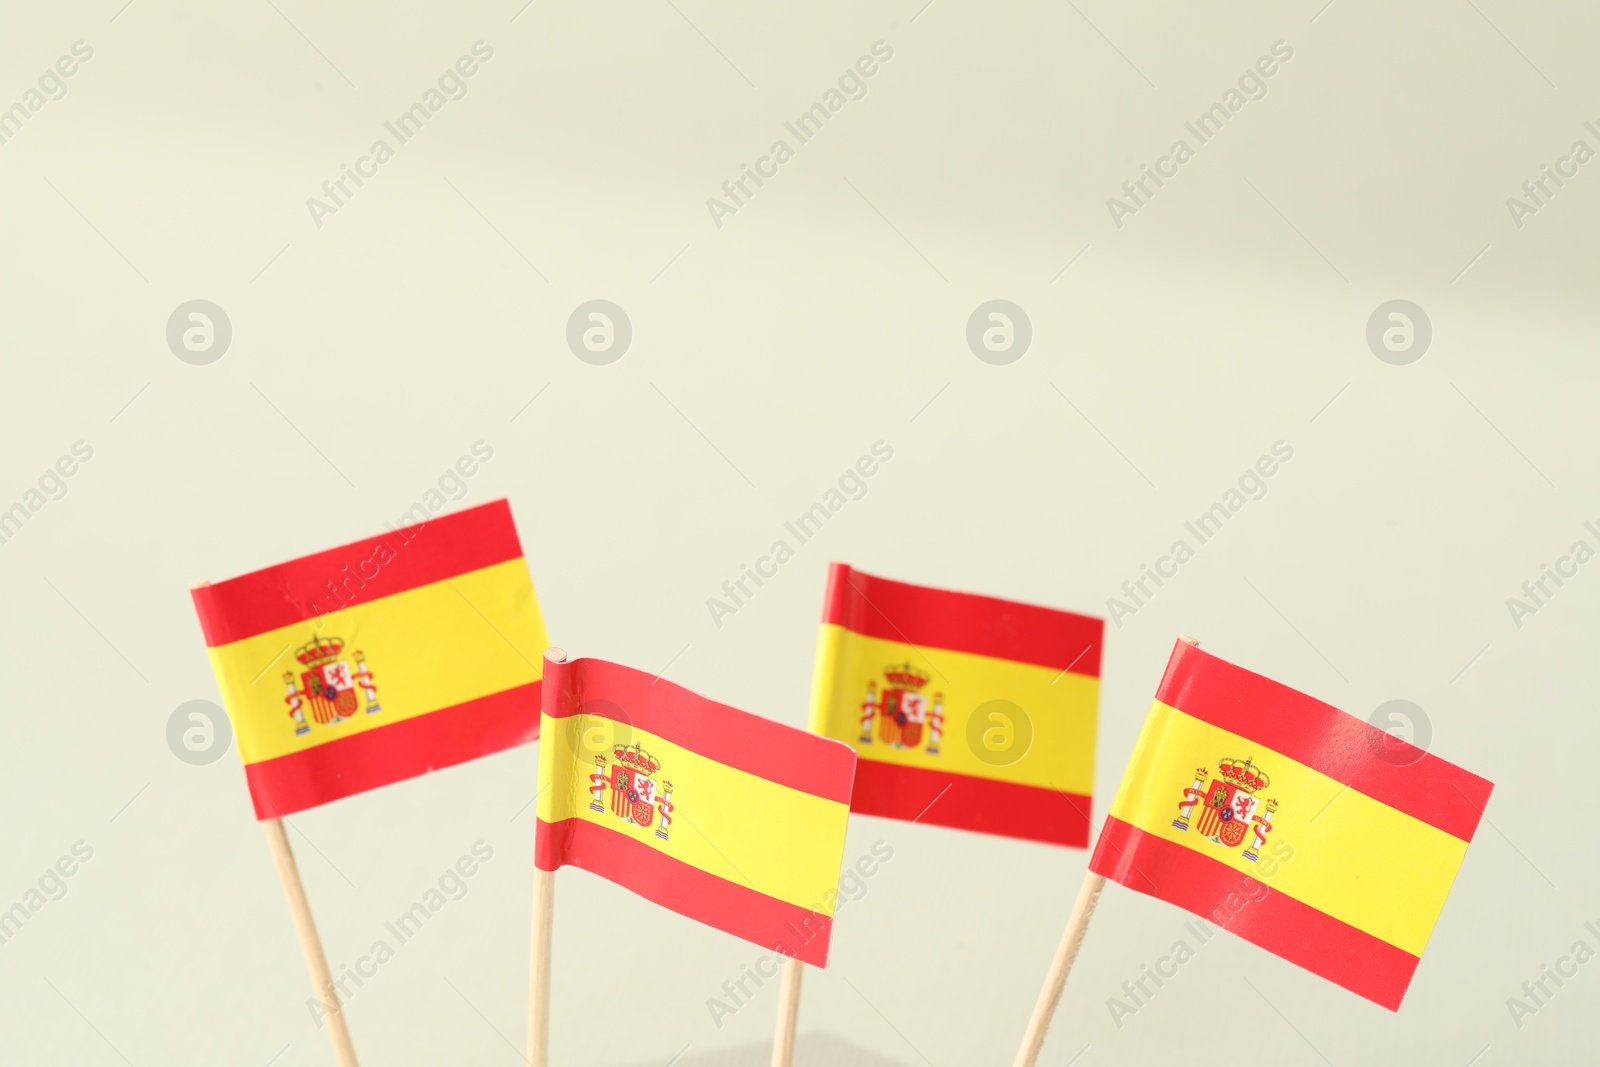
750 743
963 622
967 802
404 749
1365 965
356 573
1326 739
736 909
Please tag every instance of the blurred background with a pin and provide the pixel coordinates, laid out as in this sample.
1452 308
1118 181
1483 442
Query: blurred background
250 332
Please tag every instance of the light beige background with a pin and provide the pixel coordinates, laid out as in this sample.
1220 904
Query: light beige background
368 354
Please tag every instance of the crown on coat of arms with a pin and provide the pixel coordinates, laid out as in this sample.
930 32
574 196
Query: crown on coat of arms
636 758
906 676
1243 776
315 653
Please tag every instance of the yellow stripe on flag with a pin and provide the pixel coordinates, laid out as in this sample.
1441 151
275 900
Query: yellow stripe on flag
730 823
1354 858
428 648
1058 708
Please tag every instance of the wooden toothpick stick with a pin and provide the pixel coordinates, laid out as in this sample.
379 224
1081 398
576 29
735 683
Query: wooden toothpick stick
544 906
1060 967
788 1013
310 945
544 903
1066 952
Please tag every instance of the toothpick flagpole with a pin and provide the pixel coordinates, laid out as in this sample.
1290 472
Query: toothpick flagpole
544 904
788 1013
305 927
1061 966
310 945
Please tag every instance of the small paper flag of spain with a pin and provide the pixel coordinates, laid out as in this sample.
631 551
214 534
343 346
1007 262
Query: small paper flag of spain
717 814
965 711
1297 826
378 660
